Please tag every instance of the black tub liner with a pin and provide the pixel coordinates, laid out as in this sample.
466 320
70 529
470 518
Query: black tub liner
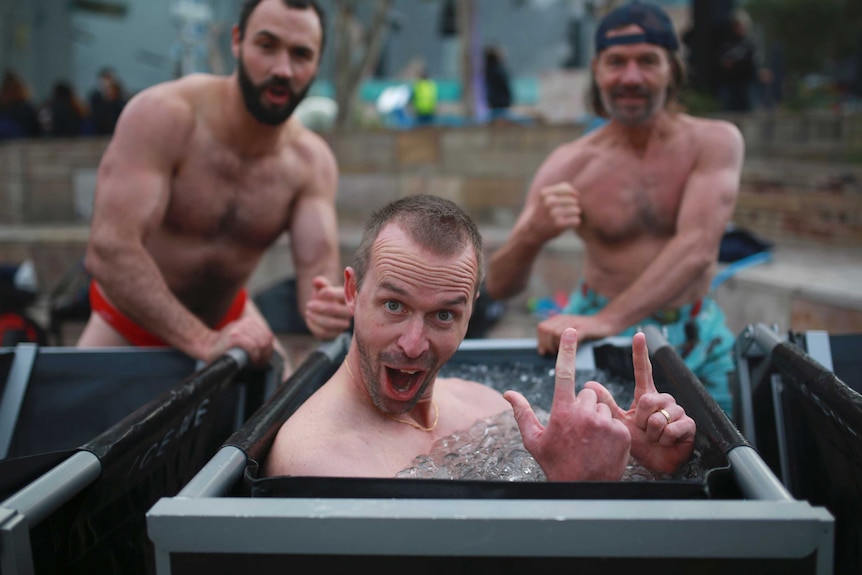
823 432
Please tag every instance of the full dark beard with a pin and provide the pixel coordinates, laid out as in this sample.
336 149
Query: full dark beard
252 96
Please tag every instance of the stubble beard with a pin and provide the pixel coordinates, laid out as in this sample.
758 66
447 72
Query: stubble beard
632 115
374 386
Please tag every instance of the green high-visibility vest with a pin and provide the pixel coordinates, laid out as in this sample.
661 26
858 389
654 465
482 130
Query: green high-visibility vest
425 96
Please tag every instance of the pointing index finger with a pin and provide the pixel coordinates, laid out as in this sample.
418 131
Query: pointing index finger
564 382
643 367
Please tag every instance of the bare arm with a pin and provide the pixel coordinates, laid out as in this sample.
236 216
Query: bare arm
315 248
132 195
552 207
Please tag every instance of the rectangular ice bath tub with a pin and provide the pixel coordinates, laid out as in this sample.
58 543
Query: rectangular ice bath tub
745 522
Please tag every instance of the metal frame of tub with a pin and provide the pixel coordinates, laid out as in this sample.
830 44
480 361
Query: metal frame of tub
88 507
206 527
807 422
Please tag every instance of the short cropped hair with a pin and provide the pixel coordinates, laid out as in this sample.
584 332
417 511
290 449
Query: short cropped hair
437 224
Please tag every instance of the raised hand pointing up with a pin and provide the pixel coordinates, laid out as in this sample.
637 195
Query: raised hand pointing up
662 434
582 441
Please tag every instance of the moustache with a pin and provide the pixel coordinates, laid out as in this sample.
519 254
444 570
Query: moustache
637 91
278 83
426 363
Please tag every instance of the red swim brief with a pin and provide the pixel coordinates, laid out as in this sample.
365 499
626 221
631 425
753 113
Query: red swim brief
137 335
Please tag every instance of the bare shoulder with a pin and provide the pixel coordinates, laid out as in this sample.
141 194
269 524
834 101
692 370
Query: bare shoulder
166 111
564 162
296 452
572 151
300 441
168 101
478 399
313 153
713 133
314 149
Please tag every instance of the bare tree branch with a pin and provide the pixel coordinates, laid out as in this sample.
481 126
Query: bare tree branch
350 73
466 10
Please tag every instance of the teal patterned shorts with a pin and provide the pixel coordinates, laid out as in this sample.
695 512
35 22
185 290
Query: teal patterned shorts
698 332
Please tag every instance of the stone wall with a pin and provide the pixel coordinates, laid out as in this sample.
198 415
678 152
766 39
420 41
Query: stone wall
796 201
488 170
48 181
788 193
792 197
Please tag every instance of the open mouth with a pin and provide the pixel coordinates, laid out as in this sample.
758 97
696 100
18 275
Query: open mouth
278 95
404 381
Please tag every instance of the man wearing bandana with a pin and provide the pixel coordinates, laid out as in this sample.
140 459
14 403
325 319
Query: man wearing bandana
649 194
203 174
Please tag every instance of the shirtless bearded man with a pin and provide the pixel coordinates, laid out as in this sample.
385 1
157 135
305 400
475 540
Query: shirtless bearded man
650 194
202 176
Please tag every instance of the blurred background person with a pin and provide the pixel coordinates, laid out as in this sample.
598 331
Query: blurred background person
18 116
737 66
107 102
498 91
424 99
65 115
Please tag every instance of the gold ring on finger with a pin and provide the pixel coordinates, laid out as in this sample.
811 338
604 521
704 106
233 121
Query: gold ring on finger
666 415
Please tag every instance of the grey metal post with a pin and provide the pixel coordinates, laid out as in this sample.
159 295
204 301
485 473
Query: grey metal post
14 391
37 501
15 555
217 476
754 477
46 494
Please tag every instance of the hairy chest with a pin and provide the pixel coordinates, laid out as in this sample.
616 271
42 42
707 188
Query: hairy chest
215 194
623 197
